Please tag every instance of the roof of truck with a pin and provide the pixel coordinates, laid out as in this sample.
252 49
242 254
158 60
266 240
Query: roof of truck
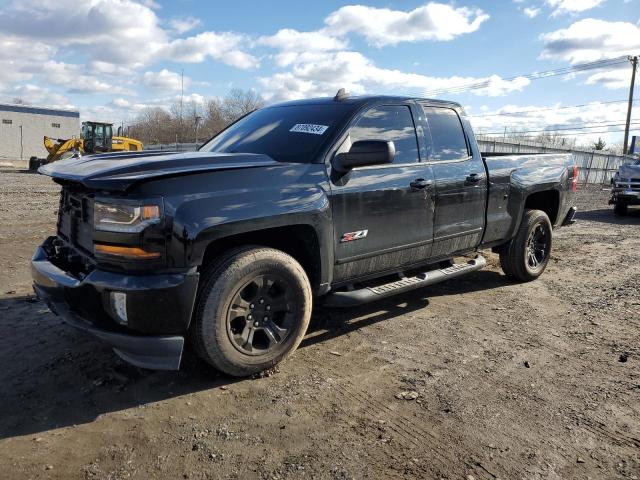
364 99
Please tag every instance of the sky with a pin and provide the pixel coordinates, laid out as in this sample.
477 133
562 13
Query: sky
111 59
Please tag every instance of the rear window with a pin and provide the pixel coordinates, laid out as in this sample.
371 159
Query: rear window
447 137
287 133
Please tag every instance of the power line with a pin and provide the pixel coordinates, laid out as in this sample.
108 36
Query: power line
566 129
595 104
535 75
594 124
561 134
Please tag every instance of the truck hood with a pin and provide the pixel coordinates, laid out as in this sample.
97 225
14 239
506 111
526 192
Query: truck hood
629 171
119 171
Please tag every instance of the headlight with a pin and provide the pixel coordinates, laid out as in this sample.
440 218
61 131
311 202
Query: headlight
124 218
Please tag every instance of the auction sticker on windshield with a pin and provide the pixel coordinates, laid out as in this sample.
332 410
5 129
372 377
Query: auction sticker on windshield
309 128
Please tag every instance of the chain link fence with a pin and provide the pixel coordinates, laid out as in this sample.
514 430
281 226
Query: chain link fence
174 147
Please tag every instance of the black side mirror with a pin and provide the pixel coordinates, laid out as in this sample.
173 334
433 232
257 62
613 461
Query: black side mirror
365 153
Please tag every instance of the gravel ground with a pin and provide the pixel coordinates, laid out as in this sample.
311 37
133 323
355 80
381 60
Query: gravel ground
477 378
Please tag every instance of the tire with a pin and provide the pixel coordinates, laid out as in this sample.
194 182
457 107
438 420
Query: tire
236 332
620 209
34 164
526 256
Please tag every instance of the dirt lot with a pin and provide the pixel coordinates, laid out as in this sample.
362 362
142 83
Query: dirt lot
514 381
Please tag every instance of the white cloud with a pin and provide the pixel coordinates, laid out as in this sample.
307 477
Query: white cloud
17 56
613 79
531 12
553 117
224 47
37 95
72 77
119 32
323 73
121 102
96 67
184 24
164 80
382 26
319 62
291 40
112 41
572 6
590 40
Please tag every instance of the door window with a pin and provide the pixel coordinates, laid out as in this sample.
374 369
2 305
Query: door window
389 122
447 137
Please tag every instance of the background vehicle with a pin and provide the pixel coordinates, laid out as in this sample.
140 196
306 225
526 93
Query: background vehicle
625 188
96 137
350 199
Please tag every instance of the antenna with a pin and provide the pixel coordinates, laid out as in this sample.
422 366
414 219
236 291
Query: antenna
341 95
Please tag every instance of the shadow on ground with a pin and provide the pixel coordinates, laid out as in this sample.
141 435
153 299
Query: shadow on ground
606 215
54 376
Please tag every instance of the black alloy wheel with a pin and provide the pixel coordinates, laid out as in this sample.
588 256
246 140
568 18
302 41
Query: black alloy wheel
538 246
260 317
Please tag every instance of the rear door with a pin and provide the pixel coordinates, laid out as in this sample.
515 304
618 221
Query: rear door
380 220
460 183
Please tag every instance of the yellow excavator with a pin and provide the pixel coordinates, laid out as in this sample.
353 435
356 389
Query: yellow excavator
96 137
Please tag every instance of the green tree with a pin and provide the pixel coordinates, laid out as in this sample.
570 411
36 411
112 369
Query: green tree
599 145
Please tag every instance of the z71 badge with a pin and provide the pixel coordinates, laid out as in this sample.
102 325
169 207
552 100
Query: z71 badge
351 236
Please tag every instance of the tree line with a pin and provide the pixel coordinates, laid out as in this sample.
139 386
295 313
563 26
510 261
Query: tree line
192 122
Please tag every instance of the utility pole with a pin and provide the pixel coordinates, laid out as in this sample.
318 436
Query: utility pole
181 99
634 65
197 121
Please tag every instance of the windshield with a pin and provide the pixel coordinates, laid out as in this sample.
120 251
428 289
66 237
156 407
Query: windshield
292 133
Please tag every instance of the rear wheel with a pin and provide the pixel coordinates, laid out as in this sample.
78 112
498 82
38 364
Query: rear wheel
526 256
253 310
620 209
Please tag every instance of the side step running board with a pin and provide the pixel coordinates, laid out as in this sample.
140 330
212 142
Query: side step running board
369 294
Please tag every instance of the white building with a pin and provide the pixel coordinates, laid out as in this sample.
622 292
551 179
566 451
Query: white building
22 128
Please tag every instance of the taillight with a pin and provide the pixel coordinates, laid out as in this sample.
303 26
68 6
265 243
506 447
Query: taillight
574 179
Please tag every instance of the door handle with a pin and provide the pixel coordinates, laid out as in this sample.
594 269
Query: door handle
473 178
420 183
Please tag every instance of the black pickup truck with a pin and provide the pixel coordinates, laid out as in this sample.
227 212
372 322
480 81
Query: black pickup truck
338 200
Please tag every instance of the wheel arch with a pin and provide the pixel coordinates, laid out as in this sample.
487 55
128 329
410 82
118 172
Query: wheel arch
546 200
301 241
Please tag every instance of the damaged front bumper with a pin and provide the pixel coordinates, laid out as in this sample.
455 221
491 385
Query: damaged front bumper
158 307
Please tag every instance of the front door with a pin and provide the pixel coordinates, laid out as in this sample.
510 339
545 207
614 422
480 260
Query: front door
461 183
383 214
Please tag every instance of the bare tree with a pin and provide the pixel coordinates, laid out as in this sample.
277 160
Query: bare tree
153 125
240 102
157 125
214 118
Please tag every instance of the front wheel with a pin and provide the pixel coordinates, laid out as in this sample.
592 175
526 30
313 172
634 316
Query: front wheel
620 209
526 256
253 310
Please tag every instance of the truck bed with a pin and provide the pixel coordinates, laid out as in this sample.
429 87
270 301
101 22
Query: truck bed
514 177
